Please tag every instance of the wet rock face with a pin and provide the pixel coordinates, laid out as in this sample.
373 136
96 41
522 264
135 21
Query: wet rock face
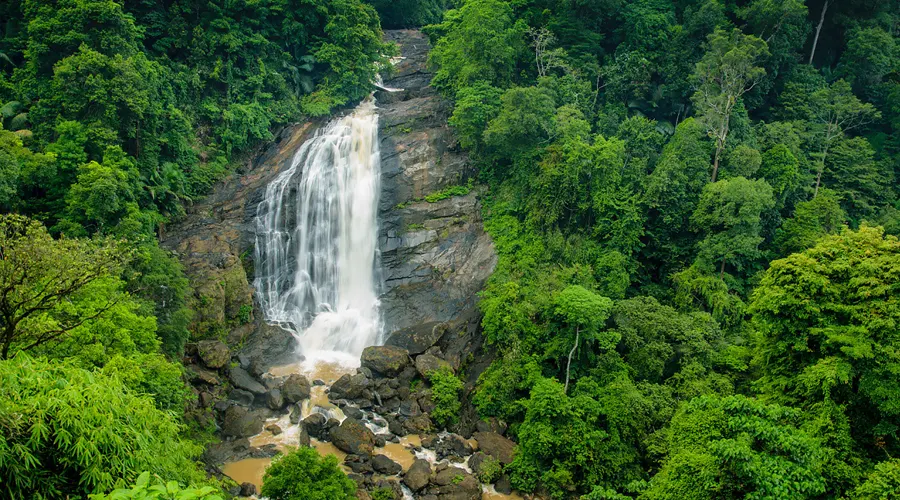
241 422
353 437
213 353
385 360
436 256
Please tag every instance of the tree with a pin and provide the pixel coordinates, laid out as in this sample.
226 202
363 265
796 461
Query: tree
39 277
476 105
302 474
827 320
66 432
726 72
882 483
871 54
582 309
481 42
729 214
812 52
526 119
813 219
836 111
737 447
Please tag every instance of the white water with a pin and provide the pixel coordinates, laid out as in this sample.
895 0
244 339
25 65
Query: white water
316 240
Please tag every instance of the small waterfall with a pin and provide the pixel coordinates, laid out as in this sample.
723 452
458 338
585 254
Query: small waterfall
316 239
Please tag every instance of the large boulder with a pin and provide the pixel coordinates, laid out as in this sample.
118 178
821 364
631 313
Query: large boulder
417 339
418 475
295 388
353 437
349 387
240 378
274 399
495 445
427 363
241 422
385 465
385 360
453 483
214 353
241 397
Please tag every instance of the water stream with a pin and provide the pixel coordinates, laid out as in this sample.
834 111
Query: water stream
317 240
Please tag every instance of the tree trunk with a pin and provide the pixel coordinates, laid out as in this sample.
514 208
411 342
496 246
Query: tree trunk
569 364
819 173
812 53
716 162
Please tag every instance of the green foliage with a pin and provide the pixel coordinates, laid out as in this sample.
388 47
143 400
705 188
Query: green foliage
827 319
737 447
70 432
490 470
882 483
445 389
302 474
157 490
448 192
480 41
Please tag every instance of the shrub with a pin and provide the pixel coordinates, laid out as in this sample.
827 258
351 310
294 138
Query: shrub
445 389
303 475
157 490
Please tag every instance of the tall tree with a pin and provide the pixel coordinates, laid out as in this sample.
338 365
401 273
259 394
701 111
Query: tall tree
582 310
39 276
836 111
727 71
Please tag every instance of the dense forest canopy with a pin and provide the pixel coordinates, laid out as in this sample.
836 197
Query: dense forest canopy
696 212
695 205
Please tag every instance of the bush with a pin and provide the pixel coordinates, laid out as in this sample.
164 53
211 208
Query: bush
303 475
490 470
157 490
66 431
445 389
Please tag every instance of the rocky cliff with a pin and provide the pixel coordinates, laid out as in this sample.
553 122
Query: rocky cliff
435 256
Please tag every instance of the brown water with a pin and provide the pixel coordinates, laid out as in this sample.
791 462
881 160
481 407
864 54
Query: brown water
491 494
326 449
402 452
249 470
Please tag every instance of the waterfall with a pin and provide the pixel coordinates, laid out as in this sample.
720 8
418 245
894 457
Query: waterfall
316 239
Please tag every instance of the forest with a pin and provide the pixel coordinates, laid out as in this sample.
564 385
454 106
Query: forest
695 205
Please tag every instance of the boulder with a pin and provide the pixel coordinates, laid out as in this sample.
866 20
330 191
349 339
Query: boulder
240 378
315 425
454 483
495 445
353 437
349 387
418 475
241 397
295 414
198 374
503 485
303 437
491 425
295 388
427 363
417 339
248 489
241 422
214 353
454 445
385 465
417 425
410 408
274 429
385 360
274 399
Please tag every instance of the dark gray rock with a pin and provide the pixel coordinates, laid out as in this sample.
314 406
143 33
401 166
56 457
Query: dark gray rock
495 445
241 422
454 444
248 489
274 429
274 399
208 377
303 437
240 378
241 397
418 475
349 387
353 437
428 363
454 483
296 412
491 425
388 361
315 425
503 485
296 388
417 339
354 412
417 425
385 465
214 353
410 408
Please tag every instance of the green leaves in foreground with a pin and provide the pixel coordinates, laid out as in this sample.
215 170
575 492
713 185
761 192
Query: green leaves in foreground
68 432
145 490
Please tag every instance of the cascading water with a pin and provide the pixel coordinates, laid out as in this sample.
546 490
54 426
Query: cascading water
316 239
